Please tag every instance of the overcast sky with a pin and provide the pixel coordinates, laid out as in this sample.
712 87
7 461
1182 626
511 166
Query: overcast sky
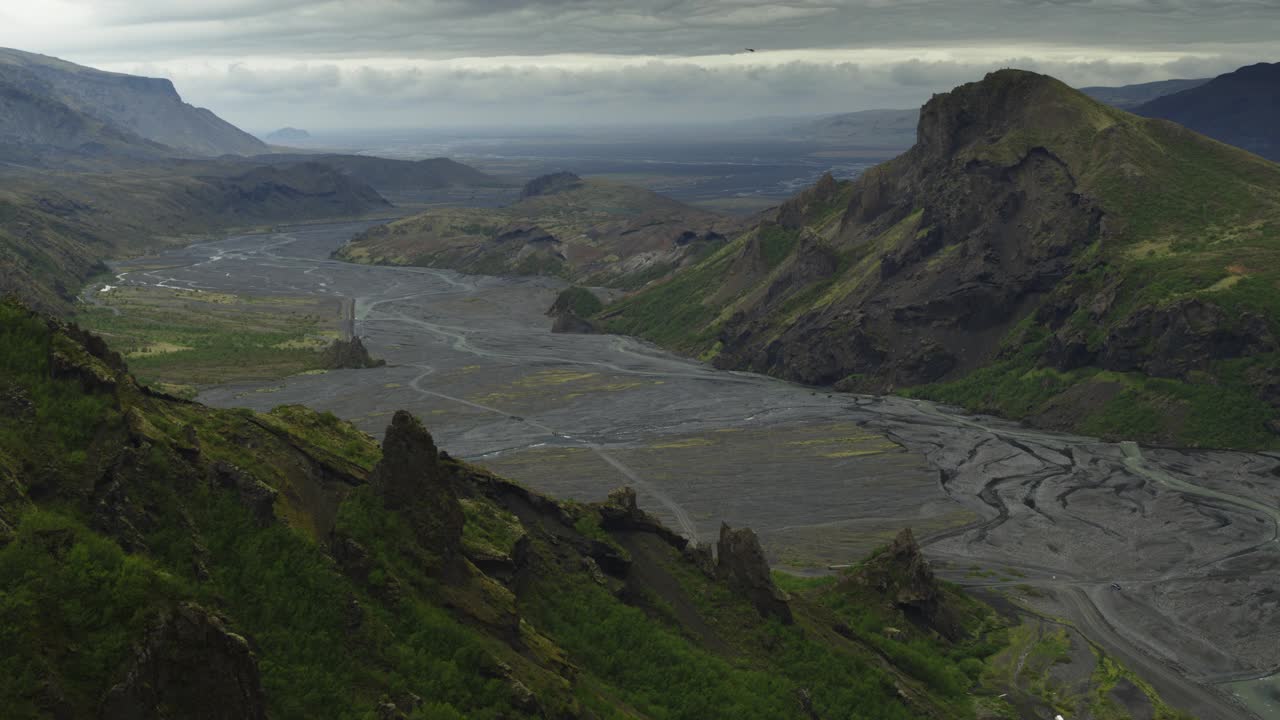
419 63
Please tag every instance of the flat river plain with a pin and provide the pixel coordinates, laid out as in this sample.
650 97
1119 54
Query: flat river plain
1167 559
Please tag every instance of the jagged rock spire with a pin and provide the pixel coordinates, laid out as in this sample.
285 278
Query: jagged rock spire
741 562
411 481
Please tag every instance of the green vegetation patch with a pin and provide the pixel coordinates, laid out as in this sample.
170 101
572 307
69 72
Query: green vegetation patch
581 301
186 338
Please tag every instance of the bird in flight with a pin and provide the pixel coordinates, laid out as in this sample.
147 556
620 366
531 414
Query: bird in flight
751 49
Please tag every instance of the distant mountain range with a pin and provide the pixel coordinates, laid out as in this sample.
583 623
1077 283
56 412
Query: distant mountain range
1241 108
54 102
593 231
1128 97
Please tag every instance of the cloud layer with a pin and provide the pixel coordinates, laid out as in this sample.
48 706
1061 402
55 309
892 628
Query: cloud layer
340 63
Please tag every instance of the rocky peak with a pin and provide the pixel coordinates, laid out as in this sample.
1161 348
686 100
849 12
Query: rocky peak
740 561
1002 101
902 576
550 184
412 481
803 208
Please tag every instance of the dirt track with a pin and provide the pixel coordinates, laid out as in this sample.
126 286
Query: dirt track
1190 537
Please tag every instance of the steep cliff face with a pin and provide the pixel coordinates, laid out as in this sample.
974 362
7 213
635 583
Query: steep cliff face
31 122
1029 227
149 108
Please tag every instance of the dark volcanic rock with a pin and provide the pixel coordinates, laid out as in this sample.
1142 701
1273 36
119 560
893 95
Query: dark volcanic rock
15 401
1182 338
568 322
13 502
903 577
412 481
621 512
971 243
349 355
189 665
258 497
550 184
740 561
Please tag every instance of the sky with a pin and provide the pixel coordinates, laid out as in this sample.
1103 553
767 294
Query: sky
367 64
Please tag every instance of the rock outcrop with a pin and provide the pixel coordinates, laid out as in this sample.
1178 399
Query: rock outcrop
349 355
741 563
621 512
1184 337
411 480
256 496
189 665
902 576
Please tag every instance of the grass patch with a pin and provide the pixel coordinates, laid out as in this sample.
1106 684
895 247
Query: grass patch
185 338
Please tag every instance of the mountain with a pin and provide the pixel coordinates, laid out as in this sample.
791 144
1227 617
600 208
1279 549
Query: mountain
386 174
57 227
598 232
33 124
1241 108
287 135
1036 254
1128 97
867 128
165 559
148 108
897 128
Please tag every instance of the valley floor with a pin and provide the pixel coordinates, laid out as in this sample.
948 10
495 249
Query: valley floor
1056 522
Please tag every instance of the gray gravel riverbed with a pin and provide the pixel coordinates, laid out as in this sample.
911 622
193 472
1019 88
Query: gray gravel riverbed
1189 537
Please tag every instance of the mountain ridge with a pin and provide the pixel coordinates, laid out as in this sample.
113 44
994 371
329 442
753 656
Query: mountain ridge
593 231
147 107
1240 108
998 263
